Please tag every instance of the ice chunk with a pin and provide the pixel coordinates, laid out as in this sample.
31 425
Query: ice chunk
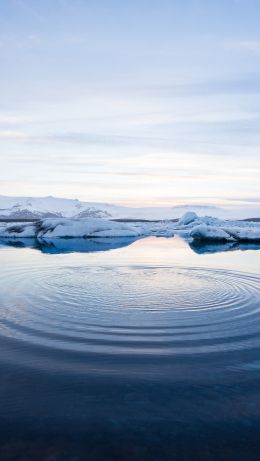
67 228
20 230
89 227
187 218
244 234
204 232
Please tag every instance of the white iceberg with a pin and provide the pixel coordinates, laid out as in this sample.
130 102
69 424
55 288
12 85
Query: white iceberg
222 233
245 234
204 232
20 230
187 218
189 226
67 228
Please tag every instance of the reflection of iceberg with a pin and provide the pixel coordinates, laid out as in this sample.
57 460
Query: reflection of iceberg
91 245
80 245
201 247
21 243
249 246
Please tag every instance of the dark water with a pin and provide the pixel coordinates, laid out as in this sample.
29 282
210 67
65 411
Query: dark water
123 350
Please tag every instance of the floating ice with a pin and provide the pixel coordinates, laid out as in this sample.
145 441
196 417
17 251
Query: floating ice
198 228
204 232
68 228
187 218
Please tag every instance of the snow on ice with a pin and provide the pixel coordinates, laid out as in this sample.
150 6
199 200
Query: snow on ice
190 226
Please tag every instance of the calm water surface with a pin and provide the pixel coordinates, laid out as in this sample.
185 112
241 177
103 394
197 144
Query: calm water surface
129 350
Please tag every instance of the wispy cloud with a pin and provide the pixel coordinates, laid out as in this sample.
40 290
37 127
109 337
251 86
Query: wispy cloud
97 100
251 46
13 135
14 119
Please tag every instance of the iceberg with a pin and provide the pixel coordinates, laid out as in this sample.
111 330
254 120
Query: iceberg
18 230
245 234
187 218
190 226
89 227
68 228
226 232
205 232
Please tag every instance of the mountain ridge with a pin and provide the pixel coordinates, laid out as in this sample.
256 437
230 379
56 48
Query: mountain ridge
44 207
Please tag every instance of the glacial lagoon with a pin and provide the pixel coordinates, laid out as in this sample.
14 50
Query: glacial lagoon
129 349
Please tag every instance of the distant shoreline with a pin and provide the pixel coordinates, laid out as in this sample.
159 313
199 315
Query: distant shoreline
123 220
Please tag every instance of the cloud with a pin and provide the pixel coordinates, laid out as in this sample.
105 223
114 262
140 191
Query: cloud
252 200
11 134
252 46
14 119
243 84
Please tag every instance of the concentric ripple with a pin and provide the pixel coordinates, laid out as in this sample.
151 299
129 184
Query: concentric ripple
130 310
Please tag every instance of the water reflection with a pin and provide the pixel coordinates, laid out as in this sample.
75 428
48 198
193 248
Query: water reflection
218 247
201 247
92 245
145 353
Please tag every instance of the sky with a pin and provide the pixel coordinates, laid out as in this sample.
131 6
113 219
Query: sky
137 102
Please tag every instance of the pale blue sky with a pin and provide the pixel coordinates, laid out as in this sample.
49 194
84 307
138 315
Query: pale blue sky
137 102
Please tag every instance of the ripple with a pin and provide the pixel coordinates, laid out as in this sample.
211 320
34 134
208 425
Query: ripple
130 310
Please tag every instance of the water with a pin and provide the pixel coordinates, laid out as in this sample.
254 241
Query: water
129 350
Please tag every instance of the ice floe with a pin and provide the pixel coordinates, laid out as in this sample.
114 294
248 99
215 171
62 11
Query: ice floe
204 232
226 232
190 226
188 218
68 228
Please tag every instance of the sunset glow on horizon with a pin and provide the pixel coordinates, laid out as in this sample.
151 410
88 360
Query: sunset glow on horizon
135 103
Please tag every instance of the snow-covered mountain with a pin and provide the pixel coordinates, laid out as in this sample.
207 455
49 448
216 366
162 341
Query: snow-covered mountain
43 207
47 207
